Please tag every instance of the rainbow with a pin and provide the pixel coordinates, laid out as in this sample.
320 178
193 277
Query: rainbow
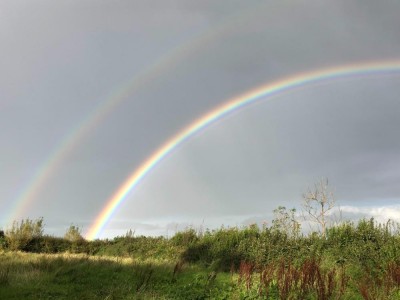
272 89
82 129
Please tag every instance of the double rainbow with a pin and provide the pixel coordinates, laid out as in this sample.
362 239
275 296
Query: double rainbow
268 90
43 173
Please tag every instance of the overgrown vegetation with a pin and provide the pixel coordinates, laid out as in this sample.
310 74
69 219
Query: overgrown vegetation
23 233
353 261
345 260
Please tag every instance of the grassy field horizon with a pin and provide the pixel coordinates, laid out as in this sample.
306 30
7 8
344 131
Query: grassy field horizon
352 260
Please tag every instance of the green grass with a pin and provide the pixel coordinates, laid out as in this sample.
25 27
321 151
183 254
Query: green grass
79 276
353 261
66 276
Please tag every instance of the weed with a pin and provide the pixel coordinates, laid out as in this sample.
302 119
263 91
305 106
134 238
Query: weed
266 278
393 274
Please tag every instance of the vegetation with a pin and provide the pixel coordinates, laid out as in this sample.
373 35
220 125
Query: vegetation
73 234
353 261
346 260
22 234
318 203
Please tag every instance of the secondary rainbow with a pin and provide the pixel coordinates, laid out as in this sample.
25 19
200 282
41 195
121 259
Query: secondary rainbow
268 90
45 171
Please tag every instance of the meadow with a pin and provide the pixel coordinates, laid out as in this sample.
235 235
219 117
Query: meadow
351 261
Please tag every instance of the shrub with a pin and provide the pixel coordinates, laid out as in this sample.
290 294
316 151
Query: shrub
22 233
73 234
184 238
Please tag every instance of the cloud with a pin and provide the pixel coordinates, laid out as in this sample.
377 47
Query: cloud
380 213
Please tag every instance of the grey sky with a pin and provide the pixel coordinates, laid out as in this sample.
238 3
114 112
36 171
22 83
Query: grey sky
60 59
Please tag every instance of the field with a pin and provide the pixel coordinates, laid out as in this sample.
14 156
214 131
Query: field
68 276
353 261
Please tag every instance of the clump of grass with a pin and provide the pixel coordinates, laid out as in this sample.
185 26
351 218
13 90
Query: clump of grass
143 275
177 269
5 275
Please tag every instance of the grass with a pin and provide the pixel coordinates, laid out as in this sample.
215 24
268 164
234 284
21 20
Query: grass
353 261
80 276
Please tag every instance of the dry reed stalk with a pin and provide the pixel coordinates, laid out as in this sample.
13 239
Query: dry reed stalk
287 279
394 273
308 275
246 270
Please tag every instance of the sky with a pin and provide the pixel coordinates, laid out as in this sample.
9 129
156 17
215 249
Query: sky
90 89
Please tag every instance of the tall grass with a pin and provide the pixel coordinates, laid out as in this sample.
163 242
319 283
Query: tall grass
353 261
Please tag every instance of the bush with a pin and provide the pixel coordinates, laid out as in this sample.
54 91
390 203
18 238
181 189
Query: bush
21 234
184 238
3 241
73 234
51 244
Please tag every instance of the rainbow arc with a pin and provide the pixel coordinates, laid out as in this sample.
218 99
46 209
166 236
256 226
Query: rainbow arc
267 91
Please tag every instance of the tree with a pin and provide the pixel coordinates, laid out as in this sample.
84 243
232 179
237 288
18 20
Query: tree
285 221
318 204
73 234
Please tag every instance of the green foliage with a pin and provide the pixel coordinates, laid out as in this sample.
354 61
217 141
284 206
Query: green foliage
136 247
224 248
185 238
73 234
219 247
353 261
39 276
286 221
366 243
3 241
51 244
23 233
74 237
